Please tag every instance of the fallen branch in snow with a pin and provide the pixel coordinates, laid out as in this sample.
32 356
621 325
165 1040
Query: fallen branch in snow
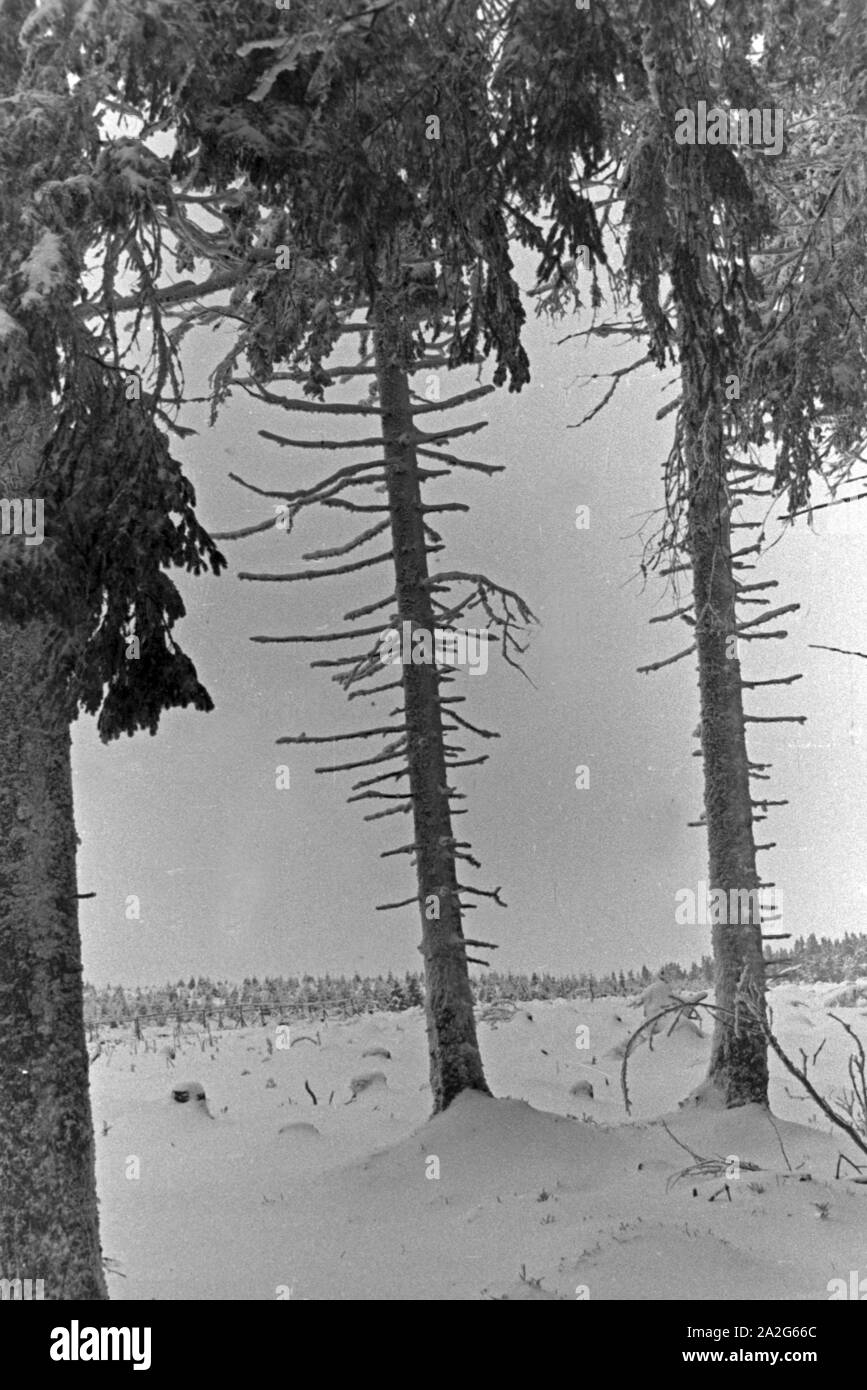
680 1144
859 1167
855 1103
705 1167
780 1142
309 1092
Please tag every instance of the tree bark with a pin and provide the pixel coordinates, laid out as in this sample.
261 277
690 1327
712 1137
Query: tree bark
48 1206
738 1071
455 1059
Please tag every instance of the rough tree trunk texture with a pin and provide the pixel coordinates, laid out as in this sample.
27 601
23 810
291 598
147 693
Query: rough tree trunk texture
739 1066
48 1207
455 1059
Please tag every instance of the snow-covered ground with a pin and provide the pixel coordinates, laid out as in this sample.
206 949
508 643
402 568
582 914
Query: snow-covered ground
540 1194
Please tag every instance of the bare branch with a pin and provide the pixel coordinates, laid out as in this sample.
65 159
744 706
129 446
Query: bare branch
337 738
775 719
302 494
669 661
453 401
778 680
484 893
320 443
375 690
357 541
420 437
325 636
767 617
243 531
385 755
676 613
844 651
312 407
319 574
473 464
390 811
465 723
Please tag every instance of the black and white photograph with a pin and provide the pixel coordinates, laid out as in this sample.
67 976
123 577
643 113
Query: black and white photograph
433 668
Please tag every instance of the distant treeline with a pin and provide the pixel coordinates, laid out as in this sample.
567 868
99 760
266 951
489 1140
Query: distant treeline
813 959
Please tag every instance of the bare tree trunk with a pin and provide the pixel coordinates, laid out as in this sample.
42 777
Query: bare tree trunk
455 1060
702 229
739 1065
48 1207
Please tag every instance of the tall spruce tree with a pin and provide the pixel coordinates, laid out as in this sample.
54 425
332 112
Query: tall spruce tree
374 141
748 269
765 259
688 218
86 610
708 221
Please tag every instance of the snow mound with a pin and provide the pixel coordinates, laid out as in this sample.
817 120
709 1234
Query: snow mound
301 1130
485 1144
368 1081
846 996
651 1261
494 1198
192 1095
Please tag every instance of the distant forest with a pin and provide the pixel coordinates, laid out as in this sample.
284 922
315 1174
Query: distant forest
809 958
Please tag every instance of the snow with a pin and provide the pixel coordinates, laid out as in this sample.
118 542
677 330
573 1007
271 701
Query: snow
43 269
8 325
537 1194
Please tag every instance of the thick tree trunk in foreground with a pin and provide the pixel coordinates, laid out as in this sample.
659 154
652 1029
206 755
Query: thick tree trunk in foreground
48 1207
455 1060
739 1066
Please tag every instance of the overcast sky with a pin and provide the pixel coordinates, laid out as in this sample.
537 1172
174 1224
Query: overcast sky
237 877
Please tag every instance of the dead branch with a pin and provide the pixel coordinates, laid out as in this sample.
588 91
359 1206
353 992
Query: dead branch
474 395
390 811
338 738
326 636
373 689
778 680
305 404
287 443
677 613
473 464
482 892
775 719
356 541
767 617
844 651
669 661
800 1075
351 470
